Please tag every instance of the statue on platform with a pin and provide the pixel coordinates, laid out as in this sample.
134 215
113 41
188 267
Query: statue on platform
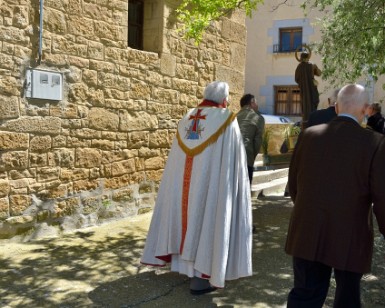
304 77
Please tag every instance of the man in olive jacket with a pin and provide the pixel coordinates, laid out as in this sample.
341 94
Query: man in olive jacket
336 181
251 124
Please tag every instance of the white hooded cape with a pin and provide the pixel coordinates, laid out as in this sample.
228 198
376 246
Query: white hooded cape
202 218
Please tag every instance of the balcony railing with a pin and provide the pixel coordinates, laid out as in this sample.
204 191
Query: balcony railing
277 48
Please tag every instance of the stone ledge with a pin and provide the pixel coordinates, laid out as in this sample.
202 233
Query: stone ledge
16 225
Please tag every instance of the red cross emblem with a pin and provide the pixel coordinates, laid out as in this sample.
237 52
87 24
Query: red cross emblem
196 117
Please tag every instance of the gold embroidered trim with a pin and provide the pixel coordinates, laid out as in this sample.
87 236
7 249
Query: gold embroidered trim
185 194
212 139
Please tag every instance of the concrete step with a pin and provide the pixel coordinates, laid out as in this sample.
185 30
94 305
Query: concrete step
269 175
258 161
274 187
268 180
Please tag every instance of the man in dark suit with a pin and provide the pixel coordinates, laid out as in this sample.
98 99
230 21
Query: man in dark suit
324 115
336 181
375 120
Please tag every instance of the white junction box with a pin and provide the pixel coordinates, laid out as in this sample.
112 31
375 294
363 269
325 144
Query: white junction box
44 84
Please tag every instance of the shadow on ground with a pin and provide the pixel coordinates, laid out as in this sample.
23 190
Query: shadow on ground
99 267
60 272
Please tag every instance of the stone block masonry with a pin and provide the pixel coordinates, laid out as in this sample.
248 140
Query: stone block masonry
99 153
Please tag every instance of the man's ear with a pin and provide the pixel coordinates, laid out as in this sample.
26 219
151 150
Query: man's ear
364 109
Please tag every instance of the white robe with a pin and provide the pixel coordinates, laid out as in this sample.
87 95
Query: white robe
218 238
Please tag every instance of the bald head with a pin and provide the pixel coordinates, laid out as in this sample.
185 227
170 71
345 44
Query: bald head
352 99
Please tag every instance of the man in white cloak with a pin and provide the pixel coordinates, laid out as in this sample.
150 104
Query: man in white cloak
202 220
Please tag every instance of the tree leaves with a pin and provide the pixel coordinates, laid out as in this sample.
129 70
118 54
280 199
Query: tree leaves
353 39
353 32
196 15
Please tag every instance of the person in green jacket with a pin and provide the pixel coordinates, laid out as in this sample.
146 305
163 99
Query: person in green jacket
252 125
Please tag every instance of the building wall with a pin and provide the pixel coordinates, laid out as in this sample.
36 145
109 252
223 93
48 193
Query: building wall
376 91
99 153
264 69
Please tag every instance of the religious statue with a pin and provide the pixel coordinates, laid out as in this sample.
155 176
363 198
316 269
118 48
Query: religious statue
304 77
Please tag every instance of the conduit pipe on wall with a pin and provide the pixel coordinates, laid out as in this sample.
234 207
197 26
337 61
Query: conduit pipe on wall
41 31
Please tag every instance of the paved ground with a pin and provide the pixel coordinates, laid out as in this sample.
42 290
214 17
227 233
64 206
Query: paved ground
99 267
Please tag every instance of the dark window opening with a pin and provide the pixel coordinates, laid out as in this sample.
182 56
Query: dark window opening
135 24
287 100
289 39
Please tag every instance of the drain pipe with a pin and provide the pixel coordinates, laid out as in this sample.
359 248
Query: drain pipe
41 31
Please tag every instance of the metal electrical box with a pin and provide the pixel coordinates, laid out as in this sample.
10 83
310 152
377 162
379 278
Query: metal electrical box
44 84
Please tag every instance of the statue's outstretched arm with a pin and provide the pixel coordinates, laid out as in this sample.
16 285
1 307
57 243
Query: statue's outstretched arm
317 71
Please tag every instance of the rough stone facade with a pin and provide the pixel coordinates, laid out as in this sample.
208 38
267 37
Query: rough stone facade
98 153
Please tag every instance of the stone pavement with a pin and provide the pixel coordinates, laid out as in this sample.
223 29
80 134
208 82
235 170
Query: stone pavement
99 267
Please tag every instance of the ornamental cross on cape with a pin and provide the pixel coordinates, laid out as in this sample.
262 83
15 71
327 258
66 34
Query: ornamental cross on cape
195 129
201 127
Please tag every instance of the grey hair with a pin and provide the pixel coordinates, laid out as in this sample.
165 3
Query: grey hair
376 107
217 91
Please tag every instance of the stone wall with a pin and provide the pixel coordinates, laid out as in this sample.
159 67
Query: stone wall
99 153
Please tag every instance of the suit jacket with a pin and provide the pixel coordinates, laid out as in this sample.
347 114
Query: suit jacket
376 122
321 116
336 174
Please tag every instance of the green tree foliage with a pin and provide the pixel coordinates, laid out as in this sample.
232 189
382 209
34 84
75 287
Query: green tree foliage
353 32
353 38
196 15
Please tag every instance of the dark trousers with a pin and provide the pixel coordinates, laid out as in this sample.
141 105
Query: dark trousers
311 285
251 171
